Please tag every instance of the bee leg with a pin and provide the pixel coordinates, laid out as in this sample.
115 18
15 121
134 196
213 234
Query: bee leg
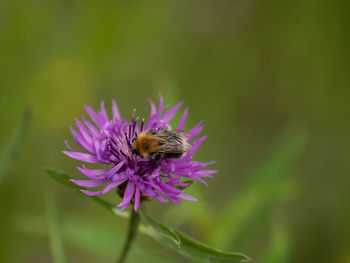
157 157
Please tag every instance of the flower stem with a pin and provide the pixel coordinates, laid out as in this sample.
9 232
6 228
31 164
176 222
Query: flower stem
132 231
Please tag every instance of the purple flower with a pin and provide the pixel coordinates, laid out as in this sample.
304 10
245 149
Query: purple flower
109 142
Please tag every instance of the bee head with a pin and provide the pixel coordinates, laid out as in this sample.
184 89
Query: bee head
144 145
152 132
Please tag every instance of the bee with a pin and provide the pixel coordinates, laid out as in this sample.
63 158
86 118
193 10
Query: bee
161 144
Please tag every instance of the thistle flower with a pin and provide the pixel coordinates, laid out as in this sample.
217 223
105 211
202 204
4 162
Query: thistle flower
109 142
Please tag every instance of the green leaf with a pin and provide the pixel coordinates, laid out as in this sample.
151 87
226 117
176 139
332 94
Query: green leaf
189 182
166 236
157 229
55 229
198 250
267 185
185 245
10 151
64 179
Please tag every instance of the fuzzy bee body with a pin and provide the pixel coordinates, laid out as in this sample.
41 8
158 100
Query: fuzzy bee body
161 144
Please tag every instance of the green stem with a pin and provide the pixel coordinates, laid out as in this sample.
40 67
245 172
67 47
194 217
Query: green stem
132 231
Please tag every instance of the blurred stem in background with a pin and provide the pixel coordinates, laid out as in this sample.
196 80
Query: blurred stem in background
278 249
8 156
269 184
11 149
55 229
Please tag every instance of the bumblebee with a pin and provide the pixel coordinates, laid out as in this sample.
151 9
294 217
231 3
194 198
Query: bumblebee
161 144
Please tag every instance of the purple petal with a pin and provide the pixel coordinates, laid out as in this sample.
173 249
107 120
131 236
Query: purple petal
184 173
182 122
105 190
196 130
205 175
195 146
83 131
92 128
80 141
97 146
129 192
153 107
137 198
183 184
155 173
199 180
161 103
208 172
115 110
68 146
146 190
151 120
115 168
168 188
94 116
153 185
120 176
173 181
187 197
89 183
174 199
103 113
171 112
92 173
161 199
207 164
85 157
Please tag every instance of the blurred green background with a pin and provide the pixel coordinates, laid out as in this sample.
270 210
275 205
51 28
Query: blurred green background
270 79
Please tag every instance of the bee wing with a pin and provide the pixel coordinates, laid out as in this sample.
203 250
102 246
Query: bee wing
173 141
184 135
173 135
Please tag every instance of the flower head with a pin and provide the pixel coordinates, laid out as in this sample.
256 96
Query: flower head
109 142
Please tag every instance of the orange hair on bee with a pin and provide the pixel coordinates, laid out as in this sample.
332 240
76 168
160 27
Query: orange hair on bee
145 144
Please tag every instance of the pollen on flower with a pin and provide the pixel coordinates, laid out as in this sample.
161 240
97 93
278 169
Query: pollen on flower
109 141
